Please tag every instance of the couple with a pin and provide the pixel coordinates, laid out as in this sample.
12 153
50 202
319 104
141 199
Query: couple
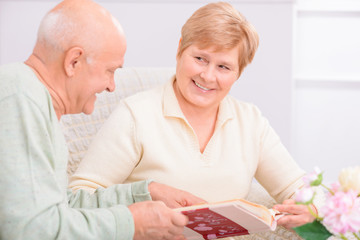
79 47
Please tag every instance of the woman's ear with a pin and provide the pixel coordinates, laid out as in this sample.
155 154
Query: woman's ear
72 60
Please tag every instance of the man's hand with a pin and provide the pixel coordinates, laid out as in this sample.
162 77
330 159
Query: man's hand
154 221
172 197
297 214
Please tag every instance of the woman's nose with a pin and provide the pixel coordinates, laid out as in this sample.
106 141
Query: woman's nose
208 73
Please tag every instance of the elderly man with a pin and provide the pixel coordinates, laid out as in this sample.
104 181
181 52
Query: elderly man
79 47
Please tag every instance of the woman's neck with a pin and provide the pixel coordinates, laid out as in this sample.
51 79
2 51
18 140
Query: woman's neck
199 115
203 123
201 119
193 112
41 71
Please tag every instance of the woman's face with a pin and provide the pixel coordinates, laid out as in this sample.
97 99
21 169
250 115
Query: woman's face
204 76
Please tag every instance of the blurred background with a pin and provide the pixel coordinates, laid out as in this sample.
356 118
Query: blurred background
305 77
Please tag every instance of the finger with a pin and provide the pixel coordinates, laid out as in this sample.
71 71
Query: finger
291 221
180 237
179 219
285 202
292 209
176 231
286 223
291 225
194 201
174 204
187 199
289 201
160 203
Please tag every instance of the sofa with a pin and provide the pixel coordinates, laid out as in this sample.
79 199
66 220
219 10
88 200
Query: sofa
79 129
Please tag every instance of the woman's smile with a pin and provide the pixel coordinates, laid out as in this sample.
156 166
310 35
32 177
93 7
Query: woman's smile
201 87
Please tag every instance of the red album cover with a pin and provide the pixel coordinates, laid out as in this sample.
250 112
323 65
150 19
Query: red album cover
227 219
212 225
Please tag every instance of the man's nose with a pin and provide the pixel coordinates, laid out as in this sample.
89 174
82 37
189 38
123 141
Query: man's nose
111 86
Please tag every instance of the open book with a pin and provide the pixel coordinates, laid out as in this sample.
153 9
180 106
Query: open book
227 219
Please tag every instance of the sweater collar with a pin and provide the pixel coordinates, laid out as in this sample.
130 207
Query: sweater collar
171 107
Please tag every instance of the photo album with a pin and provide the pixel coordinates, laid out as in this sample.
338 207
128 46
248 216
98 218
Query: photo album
227 219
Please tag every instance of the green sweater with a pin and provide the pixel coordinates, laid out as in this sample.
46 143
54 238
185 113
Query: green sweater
34 200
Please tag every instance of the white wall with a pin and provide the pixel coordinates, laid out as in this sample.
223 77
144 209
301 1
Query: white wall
153 31
327 85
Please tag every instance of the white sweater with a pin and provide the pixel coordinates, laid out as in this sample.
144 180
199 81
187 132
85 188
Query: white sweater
147 136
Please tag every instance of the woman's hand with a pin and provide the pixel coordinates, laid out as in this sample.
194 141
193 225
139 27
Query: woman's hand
296 214
172 197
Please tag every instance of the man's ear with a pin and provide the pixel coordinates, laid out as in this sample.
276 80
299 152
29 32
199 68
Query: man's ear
72 60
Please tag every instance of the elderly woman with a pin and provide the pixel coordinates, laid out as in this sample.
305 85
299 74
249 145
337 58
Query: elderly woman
190 133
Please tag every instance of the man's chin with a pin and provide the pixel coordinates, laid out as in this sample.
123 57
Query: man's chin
89 106
88 110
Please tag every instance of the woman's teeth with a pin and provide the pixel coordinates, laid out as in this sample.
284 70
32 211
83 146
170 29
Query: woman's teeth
204 88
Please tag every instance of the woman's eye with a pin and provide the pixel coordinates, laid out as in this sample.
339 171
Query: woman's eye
199 58
224 67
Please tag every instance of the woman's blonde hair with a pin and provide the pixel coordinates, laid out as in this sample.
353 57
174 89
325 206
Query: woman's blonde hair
220 25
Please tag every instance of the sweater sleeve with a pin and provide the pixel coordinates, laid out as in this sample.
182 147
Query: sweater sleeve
112 155
32 188
277 171
125 194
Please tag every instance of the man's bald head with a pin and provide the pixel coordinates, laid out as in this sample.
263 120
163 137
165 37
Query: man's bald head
79 47
81 23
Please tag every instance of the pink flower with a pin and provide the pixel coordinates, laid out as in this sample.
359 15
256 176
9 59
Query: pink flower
334 187
304 195
342 212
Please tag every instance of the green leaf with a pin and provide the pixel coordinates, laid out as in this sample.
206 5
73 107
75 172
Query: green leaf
317 181
312 231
